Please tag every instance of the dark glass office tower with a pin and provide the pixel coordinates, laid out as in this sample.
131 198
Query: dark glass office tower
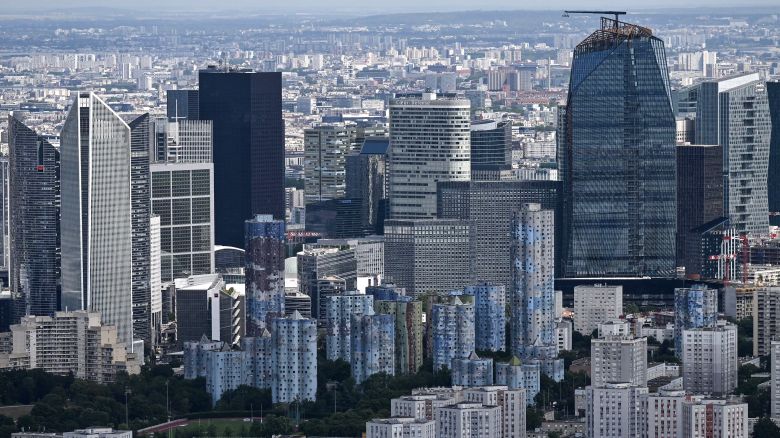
773 179
34 211
491 148
248 139
618 162
699 201
140 205
182 104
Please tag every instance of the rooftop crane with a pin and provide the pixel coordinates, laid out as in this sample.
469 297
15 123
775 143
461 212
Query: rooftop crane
617 14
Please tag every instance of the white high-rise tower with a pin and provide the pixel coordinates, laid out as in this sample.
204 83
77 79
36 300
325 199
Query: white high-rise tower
96 219
430 141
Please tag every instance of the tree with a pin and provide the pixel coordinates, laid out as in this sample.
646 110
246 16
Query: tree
533 418
766 428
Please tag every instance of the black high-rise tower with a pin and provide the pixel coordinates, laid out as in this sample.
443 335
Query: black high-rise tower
246 110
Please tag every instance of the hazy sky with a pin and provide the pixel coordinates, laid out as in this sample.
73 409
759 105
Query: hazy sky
380 6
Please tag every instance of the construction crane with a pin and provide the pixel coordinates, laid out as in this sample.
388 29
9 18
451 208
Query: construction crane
617 14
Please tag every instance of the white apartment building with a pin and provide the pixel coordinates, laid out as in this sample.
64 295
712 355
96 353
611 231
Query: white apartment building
422 406
468 420
725 418
617 327
618 360
400 428
709 357
511 401
69 343
596 304
775 381
614 411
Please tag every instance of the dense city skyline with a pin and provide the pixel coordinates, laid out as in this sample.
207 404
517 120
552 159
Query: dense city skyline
375 221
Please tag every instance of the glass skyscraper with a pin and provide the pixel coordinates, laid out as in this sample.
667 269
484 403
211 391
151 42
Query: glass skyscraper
734 113
96 214
773 178
34 201
617 158
246 111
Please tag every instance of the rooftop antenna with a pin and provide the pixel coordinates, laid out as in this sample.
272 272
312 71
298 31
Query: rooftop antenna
617 14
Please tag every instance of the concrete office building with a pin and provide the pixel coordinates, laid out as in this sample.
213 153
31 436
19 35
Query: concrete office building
734 112
369 253
294 359
400 427
488 205
614 410
618 360
97 237
516 374
596 304
182 197
182 179
33 198
710 360
408 332
339 310
699 201
205 306
69 343
316 263
372 345
182 141
430 126
246 111
452 326
472 371
766 327
489 315
468 419
264 272
325 154
694 307
430 256
532 303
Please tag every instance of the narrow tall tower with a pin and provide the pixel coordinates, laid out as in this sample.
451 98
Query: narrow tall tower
34 203
265 241
96 214
532 302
